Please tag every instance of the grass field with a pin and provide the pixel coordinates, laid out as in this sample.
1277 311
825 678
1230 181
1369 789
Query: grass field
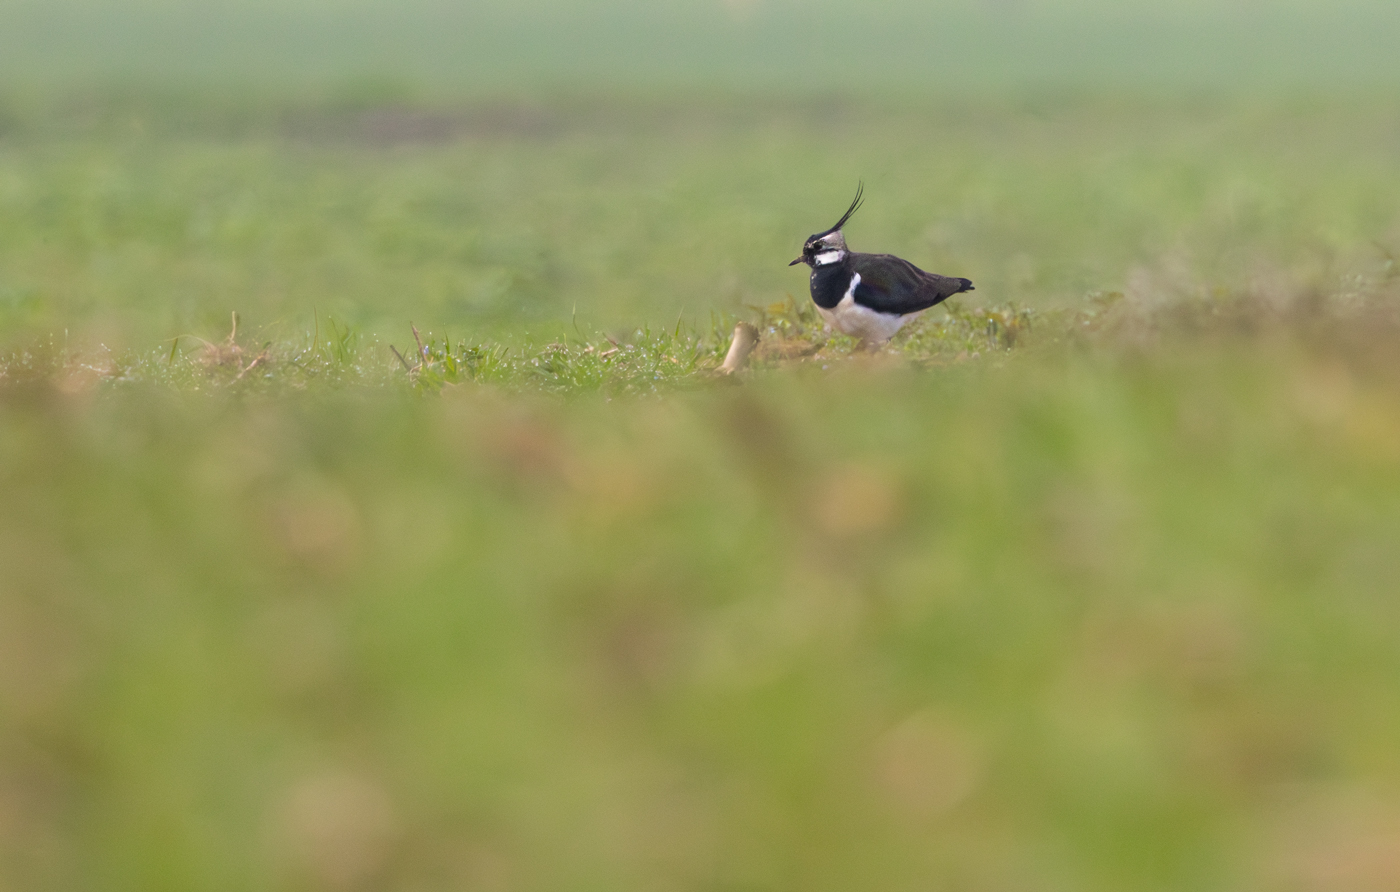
145 225
453 564
1110 613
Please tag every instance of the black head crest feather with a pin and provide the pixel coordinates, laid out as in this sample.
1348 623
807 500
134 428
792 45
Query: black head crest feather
855 205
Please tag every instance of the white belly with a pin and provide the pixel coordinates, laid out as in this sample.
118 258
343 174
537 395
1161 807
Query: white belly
850 318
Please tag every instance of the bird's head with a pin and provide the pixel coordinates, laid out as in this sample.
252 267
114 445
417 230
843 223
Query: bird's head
830 246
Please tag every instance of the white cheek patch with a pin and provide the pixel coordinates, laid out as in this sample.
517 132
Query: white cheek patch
827 257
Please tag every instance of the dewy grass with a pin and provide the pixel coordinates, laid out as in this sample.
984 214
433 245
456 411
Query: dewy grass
790 334
643 360
634 362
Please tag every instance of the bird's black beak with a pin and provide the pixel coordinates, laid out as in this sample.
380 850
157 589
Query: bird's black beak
795 262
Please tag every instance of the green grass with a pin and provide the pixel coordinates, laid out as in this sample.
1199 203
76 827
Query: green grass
1113 610
138 225
372 515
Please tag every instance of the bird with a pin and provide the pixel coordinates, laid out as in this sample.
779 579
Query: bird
869 296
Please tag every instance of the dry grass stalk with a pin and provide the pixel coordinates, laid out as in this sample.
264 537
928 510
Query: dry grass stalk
229 353
745 340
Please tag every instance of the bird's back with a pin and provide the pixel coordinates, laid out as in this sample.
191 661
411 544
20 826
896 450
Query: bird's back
890 284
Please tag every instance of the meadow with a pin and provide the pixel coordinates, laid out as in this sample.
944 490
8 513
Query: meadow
373 514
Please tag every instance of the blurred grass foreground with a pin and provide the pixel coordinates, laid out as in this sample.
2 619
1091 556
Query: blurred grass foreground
1088 585
1117 613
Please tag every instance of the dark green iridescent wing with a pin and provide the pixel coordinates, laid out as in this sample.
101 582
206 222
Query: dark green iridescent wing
890 284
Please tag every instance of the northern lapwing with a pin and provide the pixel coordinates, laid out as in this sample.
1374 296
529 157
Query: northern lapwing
869 296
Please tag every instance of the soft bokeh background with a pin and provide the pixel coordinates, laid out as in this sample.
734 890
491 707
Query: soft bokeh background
1103 601
496 47
489 167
